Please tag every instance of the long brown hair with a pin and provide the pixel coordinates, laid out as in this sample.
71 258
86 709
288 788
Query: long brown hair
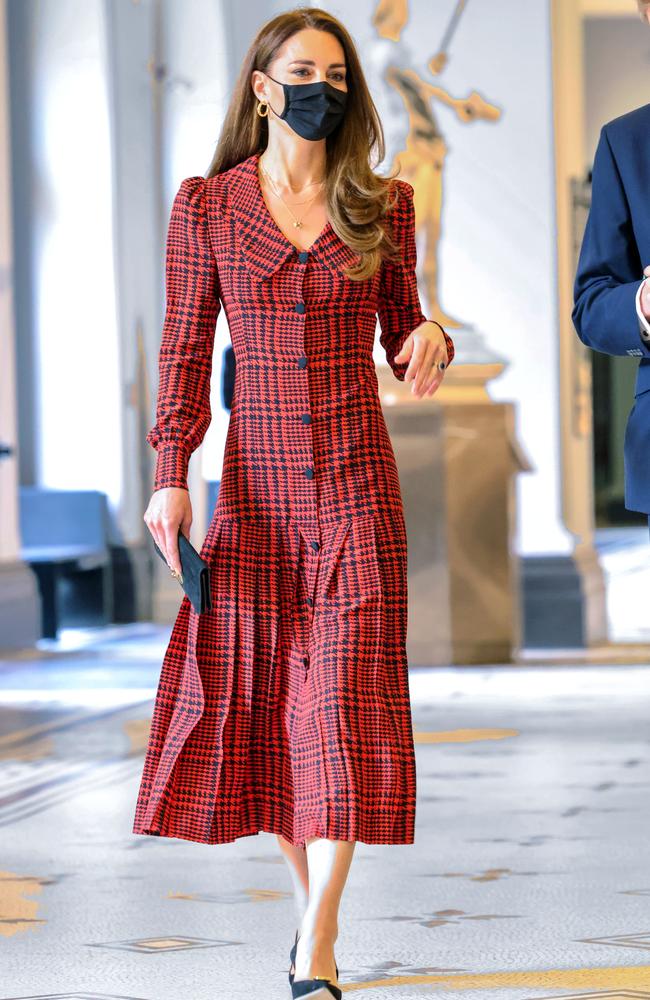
357 198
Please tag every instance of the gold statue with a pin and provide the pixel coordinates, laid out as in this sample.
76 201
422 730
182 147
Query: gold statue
422 161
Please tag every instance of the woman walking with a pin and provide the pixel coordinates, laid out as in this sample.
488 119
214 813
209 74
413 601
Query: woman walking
285 708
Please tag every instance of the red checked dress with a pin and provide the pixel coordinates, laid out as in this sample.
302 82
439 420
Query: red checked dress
286 707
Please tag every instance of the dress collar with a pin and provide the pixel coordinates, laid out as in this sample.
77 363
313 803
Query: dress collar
264 244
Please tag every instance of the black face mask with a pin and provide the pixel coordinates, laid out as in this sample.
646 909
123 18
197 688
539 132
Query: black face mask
313 110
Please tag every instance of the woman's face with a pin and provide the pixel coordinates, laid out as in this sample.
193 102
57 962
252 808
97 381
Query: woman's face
309 56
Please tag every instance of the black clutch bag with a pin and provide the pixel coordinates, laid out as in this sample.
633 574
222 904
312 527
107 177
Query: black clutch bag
196 574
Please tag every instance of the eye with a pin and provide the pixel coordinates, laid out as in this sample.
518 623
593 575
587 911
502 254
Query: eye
304 71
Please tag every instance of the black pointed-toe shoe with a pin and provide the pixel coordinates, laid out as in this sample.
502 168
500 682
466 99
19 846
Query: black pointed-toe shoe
317 984
292 956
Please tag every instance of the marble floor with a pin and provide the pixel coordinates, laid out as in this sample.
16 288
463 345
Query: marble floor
529 877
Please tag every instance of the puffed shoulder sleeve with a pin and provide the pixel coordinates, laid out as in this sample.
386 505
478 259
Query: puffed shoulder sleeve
398 307
185 358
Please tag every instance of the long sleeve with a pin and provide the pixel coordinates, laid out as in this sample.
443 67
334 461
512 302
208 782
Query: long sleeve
185 359
398 307
607 276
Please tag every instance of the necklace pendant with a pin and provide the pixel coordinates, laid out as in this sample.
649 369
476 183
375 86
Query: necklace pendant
297 225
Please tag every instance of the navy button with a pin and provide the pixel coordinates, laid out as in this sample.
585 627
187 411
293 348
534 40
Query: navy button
310 601
302 256
300 307
302 362
306 418
315 546
305 661
309 472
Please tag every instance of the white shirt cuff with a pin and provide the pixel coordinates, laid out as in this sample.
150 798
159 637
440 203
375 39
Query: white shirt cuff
644 324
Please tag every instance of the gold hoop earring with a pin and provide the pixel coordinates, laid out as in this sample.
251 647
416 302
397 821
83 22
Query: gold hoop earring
262 104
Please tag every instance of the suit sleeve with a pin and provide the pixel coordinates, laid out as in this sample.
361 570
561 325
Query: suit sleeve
609 269
185 358
398 306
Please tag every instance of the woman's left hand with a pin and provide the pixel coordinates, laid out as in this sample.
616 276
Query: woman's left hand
426 348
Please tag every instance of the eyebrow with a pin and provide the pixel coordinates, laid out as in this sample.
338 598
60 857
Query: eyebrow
310 62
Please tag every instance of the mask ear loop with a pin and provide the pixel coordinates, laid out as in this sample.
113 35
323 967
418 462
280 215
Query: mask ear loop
268 102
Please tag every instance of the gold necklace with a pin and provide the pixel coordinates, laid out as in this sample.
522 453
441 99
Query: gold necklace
296 222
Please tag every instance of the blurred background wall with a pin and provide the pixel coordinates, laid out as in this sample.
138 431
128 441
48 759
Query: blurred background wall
108 105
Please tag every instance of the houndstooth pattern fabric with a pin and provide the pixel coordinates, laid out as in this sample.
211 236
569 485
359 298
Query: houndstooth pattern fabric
285 708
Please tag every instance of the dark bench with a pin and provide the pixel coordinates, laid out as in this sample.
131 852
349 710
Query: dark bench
65 539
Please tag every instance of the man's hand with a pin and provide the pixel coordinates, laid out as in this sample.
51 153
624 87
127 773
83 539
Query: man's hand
169 509
645 294
426 347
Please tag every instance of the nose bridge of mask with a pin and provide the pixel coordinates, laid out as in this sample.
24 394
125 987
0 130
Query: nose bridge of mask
299 91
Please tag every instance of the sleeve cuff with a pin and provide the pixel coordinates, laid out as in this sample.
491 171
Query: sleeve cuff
644 324
171 465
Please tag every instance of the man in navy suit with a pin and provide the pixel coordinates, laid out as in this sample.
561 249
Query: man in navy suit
611 310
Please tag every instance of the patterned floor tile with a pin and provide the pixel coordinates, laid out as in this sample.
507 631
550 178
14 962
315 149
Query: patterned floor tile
158 945
630 940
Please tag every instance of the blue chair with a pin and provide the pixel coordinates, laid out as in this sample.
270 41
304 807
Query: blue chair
65 539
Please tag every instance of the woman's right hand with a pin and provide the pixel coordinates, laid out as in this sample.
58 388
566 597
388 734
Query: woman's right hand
169 509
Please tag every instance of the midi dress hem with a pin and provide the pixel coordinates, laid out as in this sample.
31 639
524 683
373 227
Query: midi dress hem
153 832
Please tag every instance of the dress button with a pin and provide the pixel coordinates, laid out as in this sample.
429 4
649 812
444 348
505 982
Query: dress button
302 362
315 546
306 418
310 602
305 661
309 472
300 307
302 256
